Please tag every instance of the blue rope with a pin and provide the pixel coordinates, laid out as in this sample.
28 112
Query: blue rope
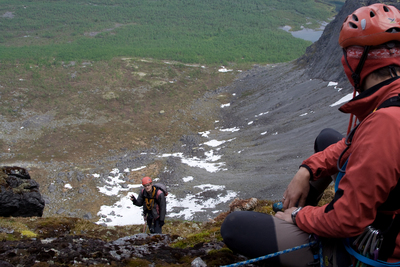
321 257
272 254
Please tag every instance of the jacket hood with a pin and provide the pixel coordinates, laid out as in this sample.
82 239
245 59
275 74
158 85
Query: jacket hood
366 102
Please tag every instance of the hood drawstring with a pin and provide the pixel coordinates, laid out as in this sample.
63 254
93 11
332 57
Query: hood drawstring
393 72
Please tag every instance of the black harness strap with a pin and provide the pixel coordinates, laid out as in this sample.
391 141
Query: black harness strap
393 101
355 75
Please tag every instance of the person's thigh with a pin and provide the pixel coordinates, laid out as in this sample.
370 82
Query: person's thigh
289 235
254 234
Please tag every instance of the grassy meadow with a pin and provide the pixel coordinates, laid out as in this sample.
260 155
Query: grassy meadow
102 70
189 31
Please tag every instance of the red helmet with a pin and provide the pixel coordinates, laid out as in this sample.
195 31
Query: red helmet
362 37
146 180
371 25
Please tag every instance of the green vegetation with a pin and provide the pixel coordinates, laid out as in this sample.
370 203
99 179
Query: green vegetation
185 233
209 235
206 31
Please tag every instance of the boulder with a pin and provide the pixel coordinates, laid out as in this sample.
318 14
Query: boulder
243 204
19 194
198 262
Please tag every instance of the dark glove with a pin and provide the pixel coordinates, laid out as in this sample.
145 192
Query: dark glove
161 223
133 198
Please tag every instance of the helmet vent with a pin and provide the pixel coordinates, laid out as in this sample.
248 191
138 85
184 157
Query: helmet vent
353 25
371 14
355 17
393 30
386 9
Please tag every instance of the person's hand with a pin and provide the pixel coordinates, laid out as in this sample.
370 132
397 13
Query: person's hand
133 198
297 190
285 215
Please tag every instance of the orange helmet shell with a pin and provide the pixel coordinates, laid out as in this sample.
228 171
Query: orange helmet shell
146 180
371 25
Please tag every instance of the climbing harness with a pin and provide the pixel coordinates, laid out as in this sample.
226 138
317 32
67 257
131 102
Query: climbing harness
366 260
310 244
150 201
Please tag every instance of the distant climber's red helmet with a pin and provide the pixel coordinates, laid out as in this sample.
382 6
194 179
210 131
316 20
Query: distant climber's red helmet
146 180
370 26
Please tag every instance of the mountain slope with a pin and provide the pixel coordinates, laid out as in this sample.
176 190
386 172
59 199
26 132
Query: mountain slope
118 115
322 58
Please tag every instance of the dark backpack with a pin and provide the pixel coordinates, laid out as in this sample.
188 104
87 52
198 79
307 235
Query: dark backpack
161 187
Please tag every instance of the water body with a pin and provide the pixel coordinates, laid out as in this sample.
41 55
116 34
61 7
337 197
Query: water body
306 34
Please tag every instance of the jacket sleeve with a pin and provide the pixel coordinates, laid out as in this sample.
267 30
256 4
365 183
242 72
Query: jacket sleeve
162 205
324 163
139 200
373 170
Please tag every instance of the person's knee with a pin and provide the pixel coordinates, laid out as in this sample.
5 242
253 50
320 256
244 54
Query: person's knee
226 227
325 138
249 233
231 222
250 223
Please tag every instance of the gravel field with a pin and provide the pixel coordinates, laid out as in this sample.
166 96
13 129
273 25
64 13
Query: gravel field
260 138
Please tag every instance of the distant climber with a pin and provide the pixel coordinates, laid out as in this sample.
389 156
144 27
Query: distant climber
363 219
152 198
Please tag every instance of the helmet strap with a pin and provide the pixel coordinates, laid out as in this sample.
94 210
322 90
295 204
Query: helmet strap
356 74
393 72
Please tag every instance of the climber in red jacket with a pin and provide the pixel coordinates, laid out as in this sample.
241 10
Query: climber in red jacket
367 161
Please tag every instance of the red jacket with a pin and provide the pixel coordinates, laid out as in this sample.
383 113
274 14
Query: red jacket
372 172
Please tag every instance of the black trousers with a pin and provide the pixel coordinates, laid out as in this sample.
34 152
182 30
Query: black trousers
154 225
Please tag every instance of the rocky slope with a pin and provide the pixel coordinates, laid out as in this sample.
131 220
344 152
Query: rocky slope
259 155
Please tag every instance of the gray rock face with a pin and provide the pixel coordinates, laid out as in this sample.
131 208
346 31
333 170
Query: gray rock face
322 59
19 194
